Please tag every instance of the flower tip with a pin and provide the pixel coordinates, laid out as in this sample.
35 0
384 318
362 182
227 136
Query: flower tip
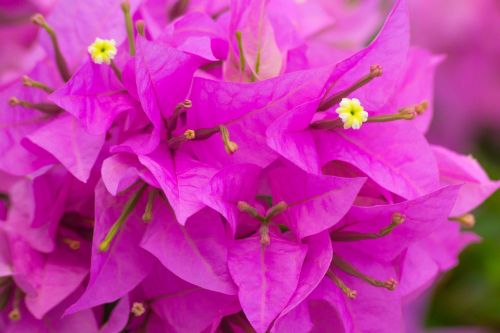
72 243
138 309
351 294
15 315
376 70
187 104
190 134
27 81
140 26
467 220
391 284
38 19
398 218
231 147
13 101
265 239
125 6
104 246
276 209
243 206
420 108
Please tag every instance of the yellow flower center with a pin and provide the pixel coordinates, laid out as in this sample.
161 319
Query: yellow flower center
351 113
102 50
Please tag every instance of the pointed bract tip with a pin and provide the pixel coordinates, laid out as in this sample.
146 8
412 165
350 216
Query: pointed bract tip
376 70
138 309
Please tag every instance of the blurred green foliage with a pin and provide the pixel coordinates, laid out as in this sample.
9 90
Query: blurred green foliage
469 295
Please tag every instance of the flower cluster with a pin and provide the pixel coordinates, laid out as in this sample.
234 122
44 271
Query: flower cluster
225 166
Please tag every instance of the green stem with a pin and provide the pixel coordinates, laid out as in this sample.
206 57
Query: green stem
129 26
127 210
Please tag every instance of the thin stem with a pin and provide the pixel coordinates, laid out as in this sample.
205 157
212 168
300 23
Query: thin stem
61 63
127 210
375 71
129 26
116 70
28 82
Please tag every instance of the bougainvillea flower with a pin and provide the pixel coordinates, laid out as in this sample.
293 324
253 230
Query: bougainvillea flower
215 166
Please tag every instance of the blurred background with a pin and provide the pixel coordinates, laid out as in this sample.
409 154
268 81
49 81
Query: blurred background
467 119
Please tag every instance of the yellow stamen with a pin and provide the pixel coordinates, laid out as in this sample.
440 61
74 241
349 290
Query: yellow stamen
467 220
28 82
390 284
265 239
190 134
239 39
47 108
140 26
351 294
407 113
172 121
279 208
72 243
199 134
246 208
15 313
230 146
349 236
148 212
